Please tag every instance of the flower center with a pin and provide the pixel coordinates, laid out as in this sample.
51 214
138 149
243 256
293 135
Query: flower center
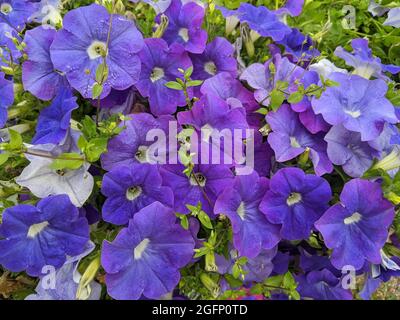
198 179
6 8
35 229
157 74
133 192
294 198
294 143
354 218
353 113
97 49
210 68
141 154
140 248
241 211
184 34
61 173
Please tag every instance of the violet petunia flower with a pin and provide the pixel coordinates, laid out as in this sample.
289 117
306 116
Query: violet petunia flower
289 139
6 97
353 104
34 237
16 13
67 280
54 121
8 51
217 57
346 149
322 285
356 229
363 61
292 8
240 202
184 26
393 18
298 46
39 76
145 257
161 64
295 200
132 144
159 6
130 189
86 40
204 185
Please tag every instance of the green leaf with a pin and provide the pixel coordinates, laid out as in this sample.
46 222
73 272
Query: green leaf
101 73
205 220
15 140
277 98
184 222
71 161
194 83
289 282
275 281
4 157
236 271
295 97
95 148
97 90
174 85
188 73
89 127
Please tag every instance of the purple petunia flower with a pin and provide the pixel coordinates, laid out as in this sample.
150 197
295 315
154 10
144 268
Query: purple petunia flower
216 58
292 8
299 46
38 74
295 200
353 104
357 228
240 202
346 149
204 185
33 237
8 51
184 26
259 19
16 12
159 6
131 145
363 62
160 65
85 42
54 121
289 139
6 97
322 285
145 258
130 189
393 18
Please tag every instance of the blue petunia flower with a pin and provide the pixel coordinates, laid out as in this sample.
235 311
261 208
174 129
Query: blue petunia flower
145 258
16 13
8 51
6 97
34 237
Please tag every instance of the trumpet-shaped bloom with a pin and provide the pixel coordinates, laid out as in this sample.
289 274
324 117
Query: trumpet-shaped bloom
33 237
17 12
145 258
357 228
86 40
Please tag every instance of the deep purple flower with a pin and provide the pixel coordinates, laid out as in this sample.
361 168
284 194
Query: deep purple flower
145 258
130 189
54 121
6 97
353 104
346 149
84 42
131 145
363 62
7 33
322 285
184 26
16 12
38 74
204 185
240 202
357 227
216 58
160 65
295 200
259 19
33 237
299 46
289 139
